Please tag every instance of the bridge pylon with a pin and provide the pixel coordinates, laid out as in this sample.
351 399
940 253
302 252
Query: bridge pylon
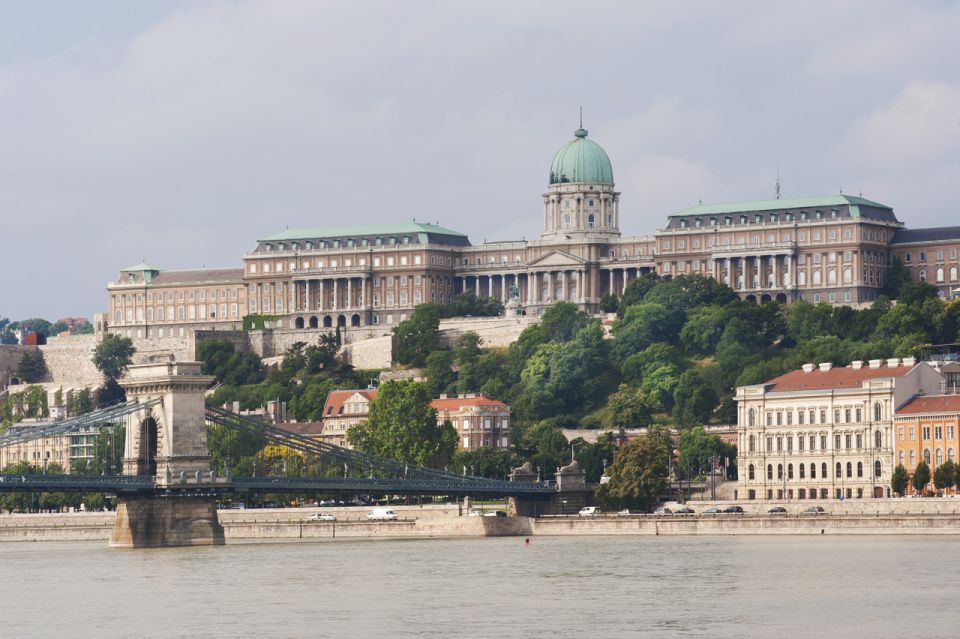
168 443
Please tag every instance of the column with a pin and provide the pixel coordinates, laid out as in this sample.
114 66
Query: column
776 271
476 285
306 300
349 292
581 286
489 285
611 282
503 289
730 273
564 289
624 290
792 265
551 286
335 300
532 287
363 292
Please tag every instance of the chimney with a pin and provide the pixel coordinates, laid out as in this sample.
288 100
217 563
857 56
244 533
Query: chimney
909 361
443 395
808 368
875 363
825 366
857 364
893 362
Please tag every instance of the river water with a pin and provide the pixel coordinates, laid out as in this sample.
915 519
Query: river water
596 587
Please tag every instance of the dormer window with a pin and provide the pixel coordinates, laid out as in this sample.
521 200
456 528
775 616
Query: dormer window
698 223
713 221
804 215
819 215
323 244
309 246
131 278
833 213
758 218
406 239
268 247
295 246
379 241
788 217
773 217
728 220
683 224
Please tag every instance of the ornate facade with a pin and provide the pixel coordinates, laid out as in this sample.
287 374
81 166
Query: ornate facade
836 249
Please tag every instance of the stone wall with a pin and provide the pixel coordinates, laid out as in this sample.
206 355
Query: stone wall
373 353
494 331
10 355
70 360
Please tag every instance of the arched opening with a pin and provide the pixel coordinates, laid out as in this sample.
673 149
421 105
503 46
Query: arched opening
752 299
355 320
750 471
147 458
823 470
765 299
813 471
849 469
327 321
789 471
878 439
341 321
878 492
877 469
298 322
753 422
313 321
781 298
753 444
591 221
769 471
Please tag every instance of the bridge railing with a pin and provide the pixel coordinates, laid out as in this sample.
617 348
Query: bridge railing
17 435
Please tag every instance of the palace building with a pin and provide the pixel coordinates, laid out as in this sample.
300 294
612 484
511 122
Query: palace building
836 249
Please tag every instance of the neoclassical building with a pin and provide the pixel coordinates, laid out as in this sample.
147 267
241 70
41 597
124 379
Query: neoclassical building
834 249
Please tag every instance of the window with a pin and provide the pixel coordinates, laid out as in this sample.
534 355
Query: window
750 471
779 471
823 469
752 419
753 444
789 471
878 439
877 469
877 412
769 471
591 222
813 471
839 470
859 469
802 471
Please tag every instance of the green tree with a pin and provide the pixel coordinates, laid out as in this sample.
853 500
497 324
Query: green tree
439 372
562 321
403 426
642 325
414 339
32 367
696 447
921 477
945 475
899 480
897 277
609 303
638 475
693 399
113 354
467 304
81 402
494 463
627 409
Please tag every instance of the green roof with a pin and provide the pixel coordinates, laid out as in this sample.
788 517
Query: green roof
142 266
357 231
581 161
780 205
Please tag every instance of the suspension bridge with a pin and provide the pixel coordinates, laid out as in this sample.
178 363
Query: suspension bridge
167 490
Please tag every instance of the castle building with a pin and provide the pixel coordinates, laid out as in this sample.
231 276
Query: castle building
836 249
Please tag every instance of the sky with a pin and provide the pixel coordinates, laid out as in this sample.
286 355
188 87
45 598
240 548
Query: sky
181 132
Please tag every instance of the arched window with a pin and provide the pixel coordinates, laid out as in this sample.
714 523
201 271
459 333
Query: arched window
901 457
953 273
939 456
591 221
950 454
813 471
831 277
769 471
789 471
802 471
816 278
610 219
750 471
939 273
753 444
753 420
839 469
877 469
779 471
802 278
823 469
859 469
849 469
878 439
913 457
877 412
847 276
926 455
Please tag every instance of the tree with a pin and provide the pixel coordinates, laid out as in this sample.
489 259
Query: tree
439 372
609 303
897 277
921 477
899 480
81 402
403 426
494 463
642 325
414 339
696 448
32 367
113 355
627 409
638 475
562 321
467 304
945 475
693 399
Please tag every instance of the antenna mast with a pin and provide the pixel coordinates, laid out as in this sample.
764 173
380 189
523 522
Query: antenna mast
777 186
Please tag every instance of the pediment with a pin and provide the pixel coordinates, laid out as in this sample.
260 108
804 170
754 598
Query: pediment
557 258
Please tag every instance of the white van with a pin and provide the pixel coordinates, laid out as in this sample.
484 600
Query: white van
382 514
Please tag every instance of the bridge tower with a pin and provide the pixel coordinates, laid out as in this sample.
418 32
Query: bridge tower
170 445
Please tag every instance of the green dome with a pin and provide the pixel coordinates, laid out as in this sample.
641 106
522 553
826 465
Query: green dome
581 160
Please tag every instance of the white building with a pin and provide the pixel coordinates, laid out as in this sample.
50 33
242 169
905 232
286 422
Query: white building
825 432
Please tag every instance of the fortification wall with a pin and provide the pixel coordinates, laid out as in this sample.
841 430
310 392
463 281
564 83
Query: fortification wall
373 353
494 331
10 355
70 360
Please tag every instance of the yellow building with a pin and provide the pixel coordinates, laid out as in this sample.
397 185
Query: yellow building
927 428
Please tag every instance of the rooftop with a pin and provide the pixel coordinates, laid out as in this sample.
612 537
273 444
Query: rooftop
783 205
358 231
333 407
200 276
454 403
931 404
835 377
940 233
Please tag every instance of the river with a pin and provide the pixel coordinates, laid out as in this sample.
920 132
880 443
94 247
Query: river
598 587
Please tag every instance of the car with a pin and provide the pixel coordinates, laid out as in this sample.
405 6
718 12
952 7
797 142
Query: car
327 503
733 510
777 510
322 517
814 510
475 513
662 511
382 514
713 510
495 513
624 513
588 511
685 510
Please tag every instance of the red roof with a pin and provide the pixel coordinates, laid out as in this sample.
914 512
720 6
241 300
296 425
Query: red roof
301 428
456 403
337 398
836 377
931 404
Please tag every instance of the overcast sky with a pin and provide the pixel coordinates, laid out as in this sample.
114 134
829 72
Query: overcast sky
180 132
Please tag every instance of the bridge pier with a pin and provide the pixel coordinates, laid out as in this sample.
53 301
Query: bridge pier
170 445
157 522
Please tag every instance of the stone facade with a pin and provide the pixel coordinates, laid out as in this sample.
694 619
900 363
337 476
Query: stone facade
825 432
